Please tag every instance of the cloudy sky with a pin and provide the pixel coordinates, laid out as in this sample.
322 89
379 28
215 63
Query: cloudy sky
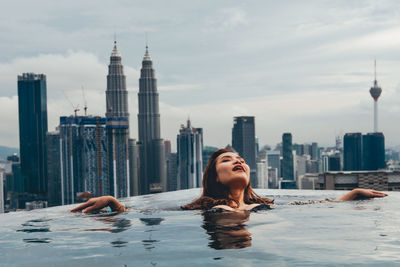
298 66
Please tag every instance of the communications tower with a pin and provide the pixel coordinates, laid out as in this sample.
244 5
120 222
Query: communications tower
375 92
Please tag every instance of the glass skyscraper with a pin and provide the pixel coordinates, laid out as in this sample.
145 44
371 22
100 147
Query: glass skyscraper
373 151
287 154
352 152
32 111
244 142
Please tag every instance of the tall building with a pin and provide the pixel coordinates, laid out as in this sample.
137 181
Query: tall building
134 164
287 153
375 92
172 171
207 152
274 161
152 171
32 109
117 127
352 157
244 142
53 168
83 159
373 151
190 156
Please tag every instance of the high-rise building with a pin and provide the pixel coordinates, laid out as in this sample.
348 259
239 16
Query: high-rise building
53 168
274 161
134 164
190 156
375 92
244 142
352 157
32 109
373 151
117 127
207 152
287 153
83 159
172 171
152 171
314 151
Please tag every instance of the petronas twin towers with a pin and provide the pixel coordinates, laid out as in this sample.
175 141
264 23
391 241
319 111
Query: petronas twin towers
148 169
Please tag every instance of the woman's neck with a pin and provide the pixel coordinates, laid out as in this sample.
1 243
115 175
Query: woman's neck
238 195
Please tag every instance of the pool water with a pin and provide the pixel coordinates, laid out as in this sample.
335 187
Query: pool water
155 232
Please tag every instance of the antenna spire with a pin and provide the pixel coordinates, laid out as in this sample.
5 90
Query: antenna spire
375 69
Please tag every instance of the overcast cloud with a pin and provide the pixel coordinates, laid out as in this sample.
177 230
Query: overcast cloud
304 67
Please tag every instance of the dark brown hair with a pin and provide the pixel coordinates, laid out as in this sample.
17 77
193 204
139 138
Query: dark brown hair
216 193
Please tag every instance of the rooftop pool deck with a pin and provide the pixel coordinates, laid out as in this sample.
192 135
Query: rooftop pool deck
155 232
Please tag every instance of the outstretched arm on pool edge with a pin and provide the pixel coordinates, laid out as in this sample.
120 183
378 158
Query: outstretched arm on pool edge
97 203
361 193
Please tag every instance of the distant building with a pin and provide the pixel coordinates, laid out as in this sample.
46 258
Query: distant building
32 109
152 171
287 161
53 169
83 157
172 171
117 127
190 157
314 151
207 152
308 181
352 157
262 174
244 142
274 161
348 180
134 165
373 151
301 165
273 181
334 162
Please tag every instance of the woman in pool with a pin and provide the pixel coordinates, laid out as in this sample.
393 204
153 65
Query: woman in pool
226 186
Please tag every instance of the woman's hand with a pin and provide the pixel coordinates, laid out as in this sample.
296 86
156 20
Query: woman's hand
361 193
97 203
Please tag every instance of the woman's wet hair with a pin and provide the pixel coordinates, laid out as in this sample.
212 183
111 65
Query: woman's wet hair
216 193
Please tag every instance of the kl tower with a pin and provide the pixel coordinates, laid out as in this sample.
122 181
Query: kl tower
375 92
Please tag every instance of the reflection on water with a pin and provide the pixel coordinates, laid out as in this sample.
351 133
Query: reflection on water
227 230
117 225
37 240
149 243
34 226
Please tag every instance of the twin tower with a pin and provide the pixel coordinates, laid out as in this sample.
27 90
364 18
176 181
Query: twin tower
134 167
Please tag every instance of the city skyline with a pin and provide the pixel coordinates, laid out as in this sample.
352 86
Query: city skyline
303 73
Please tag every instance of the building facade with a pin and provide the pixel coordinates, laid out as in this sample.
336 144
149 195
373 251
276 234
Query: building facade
32 111
287 154
352 157
244 142
53 168
373 151
83 150
190 156
152 170
117 127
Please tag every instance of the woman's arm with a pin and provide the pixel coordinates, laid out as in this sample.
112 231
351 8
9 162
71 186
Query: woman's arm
97 203
361 193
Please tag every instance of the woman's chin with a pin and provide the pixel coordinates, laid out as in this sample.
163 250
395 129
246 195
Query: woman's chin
239 182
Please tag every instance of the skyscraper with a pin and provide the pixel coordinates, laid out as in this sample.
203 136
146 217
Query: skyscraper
375 92
244 142
83 157
117 127
152 170
287 153
373 151
53 168
352 157
32 108
190 157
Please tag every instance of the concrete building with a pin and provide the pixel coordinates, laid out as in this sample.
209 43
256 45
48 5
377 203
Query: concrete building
32 110
262 174
152 171
117 127
348 180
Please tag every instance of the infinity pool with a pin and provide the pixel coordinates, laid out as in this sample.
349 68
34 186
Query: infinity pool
155 232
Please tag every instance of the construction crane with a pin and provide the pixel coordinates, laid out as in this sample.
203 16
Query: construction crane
75 107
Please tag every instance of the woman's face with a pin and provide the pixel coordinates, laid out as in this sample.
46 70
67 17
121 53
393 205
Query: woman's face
232 170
